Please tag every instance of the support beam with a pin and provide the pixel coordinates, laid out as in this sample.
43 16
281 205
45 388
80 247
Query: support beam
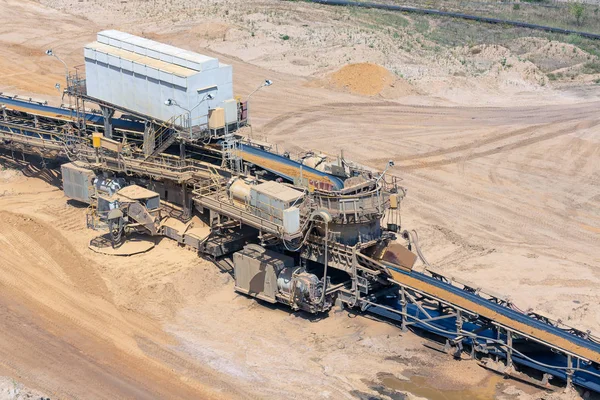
149 139
430 319
108 113
509 351
187 212
403 303
569 372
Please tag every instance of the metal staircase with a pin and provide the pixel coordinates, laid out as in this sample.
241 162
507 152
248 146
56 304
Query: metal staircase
165 136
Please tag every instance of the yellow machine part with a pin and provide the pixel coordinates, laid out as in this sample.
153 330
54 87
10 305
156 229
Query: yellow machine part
97 139
394 201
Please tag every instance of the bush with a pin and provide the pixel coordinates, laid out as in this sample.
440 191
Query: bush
284 37
577 10
591 67
516 6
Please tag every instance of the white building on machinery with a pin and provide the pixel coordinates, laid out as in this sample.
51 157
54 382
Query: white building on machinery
158 80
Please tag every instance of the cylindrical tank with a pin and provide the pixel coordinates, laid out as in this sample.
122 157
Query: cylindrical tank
239 190
307 284
284 279
108 186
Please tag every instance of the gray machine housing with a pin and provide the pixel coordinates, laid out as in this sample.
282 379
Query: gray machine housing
272 277
78 182
256 271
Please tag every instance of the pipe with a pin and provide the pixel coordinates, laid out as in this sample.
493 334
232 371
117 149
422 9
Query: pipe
326 262
413 239
455 15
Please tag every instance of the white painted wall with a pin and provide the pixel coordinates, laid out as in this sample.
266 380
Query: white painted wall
144 88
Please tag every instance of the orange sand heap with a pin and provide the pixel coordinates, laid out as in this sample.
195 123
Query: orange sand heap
365 78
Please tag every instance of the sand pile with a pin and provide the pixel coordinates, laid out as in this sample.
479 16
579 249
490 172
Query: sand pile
9 175
366 79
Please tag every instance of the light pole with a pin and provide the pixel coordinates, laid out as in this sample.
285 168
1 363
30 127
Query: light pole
390 164
171 102
50 53
267 82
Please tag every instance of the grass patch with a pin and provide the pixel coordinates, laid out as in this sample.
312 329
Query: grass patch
591 67
589 45
454 32
421 24
556 76
379 18
550 13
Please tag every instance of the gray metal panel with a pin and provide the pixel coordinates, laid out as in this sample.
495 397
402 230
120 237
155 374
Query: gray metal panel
150 52
77 182
166 92
256 272
89 53
127 65
179 81
102 57
128 83
165 77
114 42
114 61
224 74
127 46
152 101
91 72
140 85
139 68
266 206
152 73
102 38
115 85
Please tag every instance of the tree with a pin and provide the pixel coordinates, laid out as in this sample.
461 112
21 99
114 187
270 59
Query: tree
577 10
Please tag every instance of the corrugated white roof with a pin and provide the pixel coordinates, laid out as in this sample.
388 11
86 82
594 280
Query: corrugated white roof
195 57
141 59
114 34
205 62
138 41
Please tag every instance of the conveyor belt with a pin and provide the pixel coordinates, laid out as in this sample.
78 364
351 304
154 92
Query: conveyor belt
285 167
499 314
66 114
556 341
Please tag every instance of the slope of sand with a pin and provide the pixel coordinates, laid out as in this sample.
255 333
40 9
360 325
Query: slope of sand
167 324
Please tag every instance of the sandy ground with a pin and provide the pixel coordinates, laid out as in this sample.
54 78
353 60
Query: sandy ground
505 196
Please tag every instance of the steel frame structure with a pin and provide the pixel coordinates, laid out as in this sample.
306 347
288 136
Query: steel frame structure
373 286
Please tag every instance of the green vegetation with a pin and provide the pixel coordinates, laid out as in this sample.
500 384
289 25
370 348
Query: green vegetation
556 76
284 37
577 10
378 19
577 16
591 67
450 32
